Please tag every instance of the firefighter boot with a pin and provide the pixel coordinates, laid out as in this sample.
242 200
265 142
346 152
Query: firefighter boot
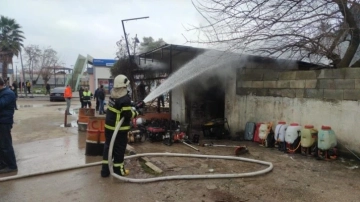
120 170
105 172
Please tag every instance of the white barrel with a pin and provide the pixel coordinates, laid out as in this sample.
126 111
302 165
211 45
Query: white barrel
280 130
292 133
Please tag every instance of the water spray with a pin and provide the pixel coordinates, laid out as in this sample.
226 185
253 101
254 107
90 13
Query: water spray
209 60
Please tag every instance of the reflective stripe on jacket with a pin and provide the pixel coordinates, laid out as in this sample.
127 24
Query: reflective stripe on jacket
118 108
87 96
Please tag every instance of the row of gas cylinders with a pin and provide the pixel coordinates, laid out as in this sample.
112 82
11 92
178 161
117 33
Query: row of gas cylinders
294 135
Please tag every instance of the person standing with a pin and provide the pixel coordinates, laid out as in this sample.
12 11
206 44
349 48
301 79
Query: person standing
7 154
87 98
142 91
96 97
28 85
119 107
68 96
160 99
47 89
15 90
81 91
101 98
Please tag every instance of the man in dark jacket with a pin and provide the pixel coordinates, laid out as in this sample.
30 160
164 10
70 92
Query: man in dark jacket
81 96
101 97
47 89
14 88
7 106
142 91
96 96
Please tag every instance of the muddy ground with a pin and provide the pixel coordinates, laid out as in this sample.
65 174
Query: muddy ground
294 177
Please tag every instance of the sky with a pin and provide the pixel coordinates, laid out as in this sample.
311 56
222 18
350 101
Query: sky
73 27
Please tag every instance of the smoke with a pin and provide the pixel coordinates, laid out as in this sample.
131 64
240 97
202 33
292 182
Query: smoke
153 65
209 63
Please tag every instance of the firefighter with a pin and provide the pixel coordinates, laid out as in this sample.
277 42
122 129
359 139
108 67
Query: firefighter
119 106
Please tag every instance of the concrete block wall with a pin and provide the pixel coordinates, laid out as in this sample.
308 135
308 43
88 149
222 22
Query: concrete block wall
318 97
332 84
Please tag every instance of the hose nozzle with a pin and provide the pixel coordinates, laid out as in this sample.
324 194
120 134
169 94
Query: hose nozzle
140 105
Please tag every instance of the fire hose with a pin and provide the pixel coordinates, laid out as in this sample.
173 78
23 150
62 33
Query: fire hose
174 177
184 177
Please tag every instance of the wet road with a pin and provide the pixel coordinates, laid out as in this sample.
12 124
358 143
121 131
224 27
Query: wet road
42 145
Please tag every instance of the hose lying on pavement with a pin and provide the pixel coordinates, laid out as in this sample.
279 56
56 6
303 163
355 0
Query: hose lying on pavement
174 177
183 177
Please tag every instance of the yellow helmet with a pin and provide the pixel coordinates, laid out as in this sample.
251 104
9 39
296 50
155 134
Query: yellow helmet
121 81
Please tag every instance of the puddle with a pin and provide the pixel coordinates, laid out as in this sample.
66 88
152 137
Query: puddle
39 105
73 112
72 124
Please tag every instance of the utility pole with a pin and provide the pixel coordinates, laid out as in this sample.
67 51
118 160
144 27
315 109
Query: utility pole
23 73
126 40
128 50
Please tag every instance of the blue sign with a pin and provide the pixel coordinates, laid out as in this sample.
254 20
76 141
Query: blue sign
104 62
111 84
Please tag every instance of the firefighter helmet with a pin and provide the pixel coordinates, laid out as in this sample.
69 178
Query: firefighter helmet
121 81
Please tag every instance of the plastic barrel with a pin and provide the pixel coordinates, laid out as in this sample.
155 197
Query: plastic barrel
292 138
83 118
326 138
308 136
95 136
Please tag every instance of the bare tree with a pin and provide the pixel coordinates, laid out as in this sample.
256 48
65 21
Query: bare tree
48 60
325 30
40 61
32 58
122 49
124 65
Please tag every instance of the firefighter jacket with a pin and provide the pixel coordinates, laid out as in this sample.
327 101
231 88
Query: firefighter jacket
86 96
117 109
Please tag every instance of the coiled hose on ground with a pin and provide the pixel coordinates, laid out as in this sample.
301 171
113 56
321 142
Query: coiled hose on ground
174 177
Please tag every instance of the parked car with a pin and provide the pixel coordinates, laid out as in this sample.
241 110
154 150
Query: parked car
57 94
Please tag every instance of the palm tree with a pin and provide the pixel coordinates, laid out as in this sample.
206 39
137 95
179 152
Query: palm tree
11 38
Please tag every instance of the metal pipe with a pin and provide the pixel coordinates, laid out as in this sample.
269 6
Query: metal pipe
353 153
190 146
127 44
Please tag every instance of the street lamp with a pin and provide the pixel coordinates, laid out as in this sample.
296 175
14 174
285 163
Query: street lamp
127 43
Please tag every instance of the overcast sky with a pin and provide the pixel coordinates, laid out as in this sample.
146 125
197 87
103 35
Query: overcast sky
73 27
